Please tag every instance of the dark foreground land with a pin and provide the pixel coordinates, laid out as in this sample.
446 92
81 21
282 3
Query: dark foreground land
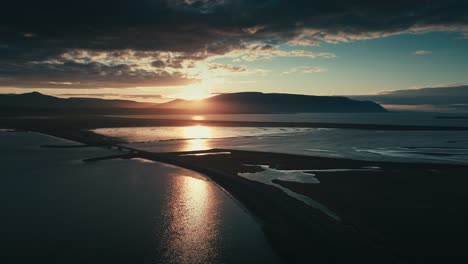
396 213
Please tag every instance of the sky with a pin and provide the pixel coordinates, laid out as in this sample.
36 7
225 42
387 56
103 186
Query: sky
155 50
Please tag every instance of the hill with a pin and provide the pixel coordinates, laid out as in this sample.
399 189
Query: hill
247 102
253 102
38 100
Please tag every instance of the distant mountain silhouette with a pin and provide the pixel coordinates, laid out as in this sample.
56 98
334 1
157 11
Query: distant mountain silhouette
38 100
247 102
449 98
254 102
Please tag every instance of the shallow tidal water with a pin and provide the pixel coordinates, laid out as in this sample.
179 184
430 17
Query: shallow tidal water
377 145
58 209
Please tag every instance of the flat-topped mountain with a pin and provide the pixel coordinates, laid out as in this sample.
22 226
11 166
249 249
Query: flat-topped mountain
246 102
253 102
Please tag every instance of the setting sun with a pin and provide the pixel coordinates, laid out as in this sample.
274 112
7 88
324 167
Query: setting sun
194 92
198 118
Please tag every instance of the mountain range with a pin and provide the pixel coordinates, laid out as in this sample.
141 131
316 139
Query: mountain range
245 102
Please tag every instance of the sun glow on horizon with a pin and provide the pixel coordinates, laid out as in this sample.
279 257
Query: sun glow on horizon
201 90
198 118
194 92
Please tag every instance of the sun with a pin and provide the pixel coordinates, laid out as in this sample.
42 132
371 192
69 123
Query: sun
198 118
194 92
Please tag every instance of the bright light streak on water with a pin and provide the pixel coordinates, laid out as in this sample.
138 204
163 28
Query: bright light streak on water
192 234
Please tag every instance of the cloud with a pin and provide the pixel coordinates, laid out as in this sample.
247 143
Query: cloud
315 70
159 39
242 82
306 69
437 98
198 26
216 70
258 51
86 75
117 69
422 52
158 64
225 67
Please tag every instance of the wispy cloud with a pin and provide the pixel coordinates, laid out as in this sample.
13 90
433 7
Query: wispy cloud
422 52
241 82
315 70
258 51
306 70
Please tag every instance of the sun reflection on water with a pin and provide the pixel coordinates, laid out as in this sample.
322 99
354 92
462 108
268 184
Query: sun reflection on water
197 131
192 232
198 137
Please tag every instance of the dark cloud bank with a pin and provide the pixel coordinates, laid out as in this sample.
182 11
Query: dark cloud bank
40 39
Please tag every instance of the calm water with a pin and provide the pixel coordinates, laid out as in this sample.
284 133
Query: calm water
57 209
425 146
